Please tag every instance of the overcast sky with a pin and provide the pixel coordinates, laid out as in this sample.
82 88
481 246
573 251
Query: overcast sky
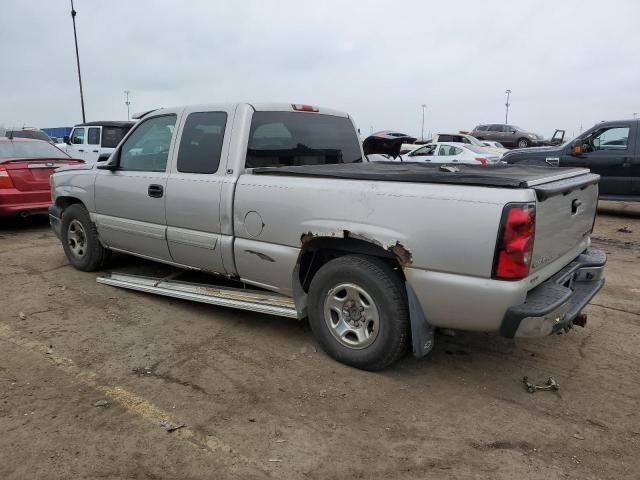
567 63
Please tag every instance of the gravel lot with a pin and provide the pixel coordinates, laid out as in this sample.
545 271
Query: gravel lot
88 373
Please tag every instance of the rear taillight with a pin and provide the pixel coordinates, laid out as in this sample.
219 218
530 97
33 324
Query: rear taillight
482 160
5 179
303 108
515 242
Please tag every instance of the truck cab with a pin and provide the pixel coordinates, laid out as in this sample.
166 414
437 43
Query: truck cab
89 140
610 149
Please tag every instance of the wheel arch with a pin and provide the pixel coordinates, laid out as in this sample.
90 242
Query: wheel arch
317 250
64 202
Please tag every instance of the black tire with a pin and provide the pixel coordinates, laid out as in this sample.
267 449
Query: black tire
93 256
385 287
522 143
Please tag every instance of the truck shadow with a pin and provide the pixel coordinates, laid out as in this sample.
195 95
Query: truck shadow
619 209
16 224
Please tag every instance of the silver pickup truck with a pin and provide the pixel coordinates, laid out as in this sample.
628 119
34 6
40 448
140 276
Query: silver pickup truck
280 198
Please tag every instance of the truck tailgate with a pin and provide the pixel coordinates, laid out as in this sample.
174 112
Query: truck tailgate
565 212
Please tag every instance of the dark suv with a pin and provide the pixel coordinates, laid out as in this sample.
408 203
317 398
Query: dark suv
508 135
610 149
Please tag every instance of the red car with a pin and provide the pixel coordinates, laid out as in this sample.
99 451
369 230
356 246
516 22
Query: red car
25 168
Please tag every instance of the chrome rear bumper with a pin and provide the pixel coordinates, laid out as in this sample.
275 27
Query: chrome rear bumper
554 304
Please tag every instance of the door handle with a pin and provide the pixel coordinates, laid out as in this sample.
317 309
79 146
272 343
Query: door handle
155 191
80 150
96 151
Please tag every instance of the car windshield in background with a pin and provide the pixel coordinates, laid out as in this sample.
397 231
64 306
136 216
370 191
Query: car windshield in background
111 136
279 139
36 134
476 149
27 149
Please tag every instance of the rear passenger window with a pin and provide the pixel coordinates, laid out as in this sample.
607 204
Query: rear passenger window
201 142
111 136
280 139
93 137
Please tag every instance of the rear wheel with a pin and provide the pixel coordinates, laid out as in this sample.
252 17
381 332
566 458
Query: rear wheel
80 240
523 143
358 312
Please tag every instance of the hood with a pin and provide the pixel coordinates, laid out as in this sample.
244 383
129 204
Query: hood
534 150
386 142
495 150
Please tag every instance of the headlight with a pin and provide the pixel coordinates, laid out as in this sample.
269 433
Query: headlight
532 135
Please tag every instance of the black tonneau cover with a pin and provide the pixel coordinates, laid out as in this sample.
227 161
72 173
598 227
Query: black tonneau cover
505 176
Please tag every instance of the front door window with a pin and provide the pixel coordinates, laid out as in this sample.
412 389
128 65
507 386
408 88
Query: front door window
147 148
615 138
77 138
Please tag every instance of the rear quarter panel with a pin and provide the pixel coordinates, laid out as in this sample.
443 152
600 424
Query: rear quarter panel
446 228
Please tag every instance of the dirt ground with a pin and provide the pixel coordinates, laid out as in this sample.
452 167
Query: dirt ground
88 373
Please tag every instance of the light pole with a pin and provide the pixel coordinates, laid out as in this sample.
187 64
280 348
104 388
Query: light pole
506 104
75 37
424 107
127 103
635 115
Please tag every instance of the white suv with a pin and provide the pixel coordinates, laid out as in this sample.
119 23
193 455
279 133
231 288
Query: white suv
90 140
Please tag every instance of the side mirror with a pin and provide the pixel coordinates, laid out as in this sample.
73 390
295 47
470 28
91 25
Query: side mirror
103 157
108 166
66 139
576 148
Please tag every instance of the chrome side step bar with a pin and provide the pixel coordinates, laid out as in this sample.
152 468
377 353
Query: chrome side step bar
243 299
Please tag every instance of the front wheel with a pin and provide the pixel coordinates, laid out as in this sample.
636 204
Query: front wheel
523 143
80 240
358 312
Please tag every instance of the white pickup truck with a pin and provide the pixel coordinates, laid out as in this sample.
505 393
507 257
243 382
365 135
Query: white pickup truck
281 198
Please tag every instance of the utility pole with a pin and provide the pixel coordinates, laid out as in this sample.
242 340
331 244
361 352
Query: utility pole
424 107
127 103
507 104
75 37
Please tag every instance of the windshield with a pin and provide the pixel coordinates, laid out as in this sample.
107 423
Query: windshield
27 149
476 149
37 134
475 141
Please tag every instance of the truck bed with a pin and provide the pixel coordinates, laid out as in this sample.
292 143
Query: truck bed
503 176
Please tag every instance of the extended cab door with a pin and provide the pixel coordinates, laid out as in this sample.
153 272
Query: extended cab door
130 200
607 151
194 189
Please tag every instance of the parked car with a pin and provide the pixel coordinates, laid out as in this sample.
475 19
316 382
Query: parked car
278 196
467 139
508 135
446 152
25 167
90 140
610 149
